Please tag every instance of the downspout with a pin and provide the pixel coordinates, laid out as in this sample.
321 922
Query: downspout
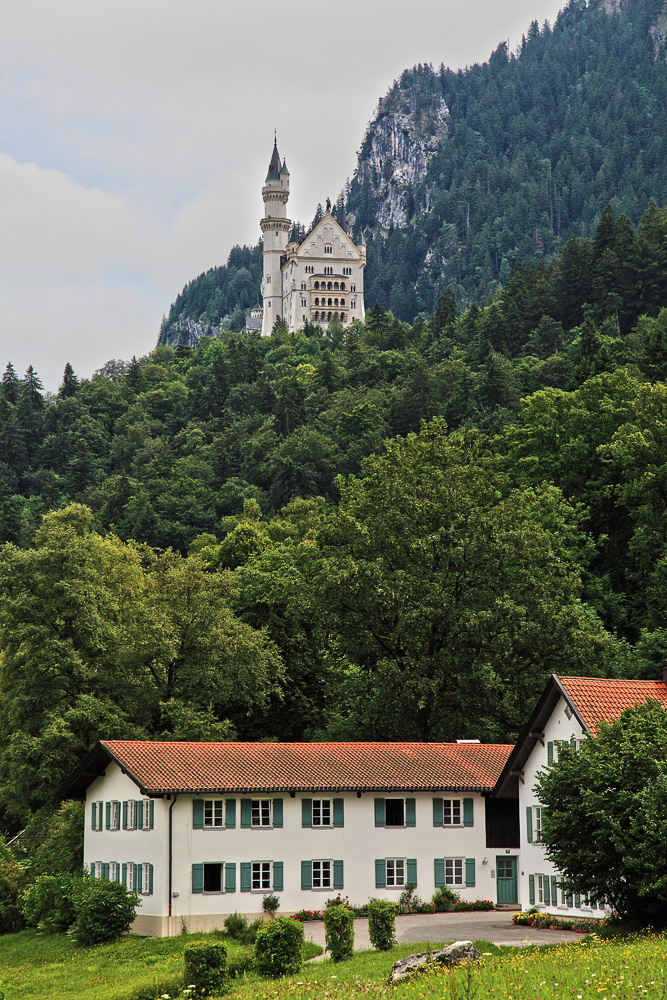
171 841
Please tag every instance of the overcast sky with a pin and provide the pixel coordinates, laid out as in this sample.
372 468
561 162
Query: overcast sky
135 137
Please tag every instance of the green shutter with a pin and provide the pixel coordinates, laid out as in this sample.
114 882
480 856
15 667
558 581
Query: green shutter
437 813
380 871
139 815
277 813
230 877
197 814
151 814
339 812
468 812
529 824
439 865
470 871
569 899
246 873
150 879
230 813
410 812
124 874
531 890
197 878
105 870
246 815
547 895
118 878
554 890
92 868
278 875
573 744
306 875
125 814
338 882
306 812
577 900
550 752
93 817
139 879
379 813
108 815
411 865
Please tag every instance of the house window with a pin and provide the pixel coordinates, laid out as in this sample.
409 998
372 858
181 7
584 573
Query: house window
114 872
451 812
563 896
97 816
114 816
395 870
322 874
453 871
130 875
261 812
213 877
98 869
213 812
537 823
394 812
321 812
261 875
540 889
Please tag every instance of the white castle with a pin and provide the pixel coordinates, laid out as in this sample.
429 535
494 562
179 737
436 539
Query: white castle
312 281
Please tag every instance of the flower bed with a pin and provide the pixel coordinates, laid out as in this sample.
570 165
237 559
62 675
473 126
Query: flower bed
546 921
362 911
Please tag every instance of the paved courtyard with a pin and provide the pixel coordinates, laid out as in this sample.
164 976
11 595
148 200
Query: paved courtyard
495 926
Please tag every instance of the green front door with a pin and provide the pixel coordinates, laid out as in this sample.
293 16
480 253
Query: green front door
506 879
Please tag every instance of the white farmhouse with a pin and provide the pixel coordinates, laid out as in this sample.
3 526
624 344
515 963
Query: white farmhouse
569 711
202 830
313 281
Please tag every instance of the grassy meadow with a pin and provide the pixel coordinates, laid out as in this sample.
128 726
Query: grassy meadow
35 967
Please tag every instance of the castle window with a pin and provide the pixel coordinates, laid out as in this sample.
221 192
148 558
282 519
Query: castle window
317 284
329 302
303 286
342 317
342 302
316 317
328 316
342 286
329 286
327 247
303 303
353 288
336 285
335 302
353 304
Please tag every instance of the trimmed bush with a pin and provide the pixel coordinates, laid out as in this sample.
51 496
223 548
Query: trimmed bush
104 910
48 903
270 904
279 947
382 923
206 969
339 932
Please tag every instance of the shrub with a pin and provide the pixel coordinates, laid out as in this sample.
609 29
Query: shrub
48 903
381 923
270 904
104 910
250 933
444 899
279 947
236 926
206 969
339 932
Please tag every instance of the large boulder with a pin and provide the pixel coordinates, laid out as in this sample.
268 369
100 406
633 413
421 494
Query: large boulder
453 954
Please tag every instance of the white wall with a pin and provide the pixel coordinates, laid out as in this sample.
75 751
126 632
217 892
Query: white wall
533 859
358 843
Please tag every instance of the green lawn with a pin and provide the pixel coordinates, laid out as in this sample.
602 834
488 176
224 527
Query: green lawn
34 967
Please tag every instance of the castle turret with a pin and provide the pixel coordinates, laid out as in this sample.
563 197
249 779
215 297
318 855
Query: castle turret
275 230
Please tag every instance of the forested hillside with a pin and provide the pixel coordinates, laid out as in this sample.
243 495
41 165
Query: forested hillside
260 537
462 174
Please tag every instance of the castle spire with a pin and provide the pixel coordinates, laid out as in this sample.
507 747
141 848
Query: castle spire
275 164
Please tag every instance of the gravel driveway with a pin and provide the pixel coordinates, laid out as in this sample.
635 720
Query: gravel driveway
494 926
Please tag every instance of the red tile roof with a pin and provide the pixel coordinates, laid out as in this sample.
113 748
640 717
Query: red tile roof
597 699
246 767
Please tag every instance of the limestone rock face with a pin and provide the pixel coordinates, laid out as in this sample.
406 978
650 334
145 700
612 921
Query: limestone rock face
453 954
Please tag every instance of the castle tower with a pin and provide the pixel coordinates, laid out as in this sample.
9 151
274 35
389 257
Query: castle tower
275 229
